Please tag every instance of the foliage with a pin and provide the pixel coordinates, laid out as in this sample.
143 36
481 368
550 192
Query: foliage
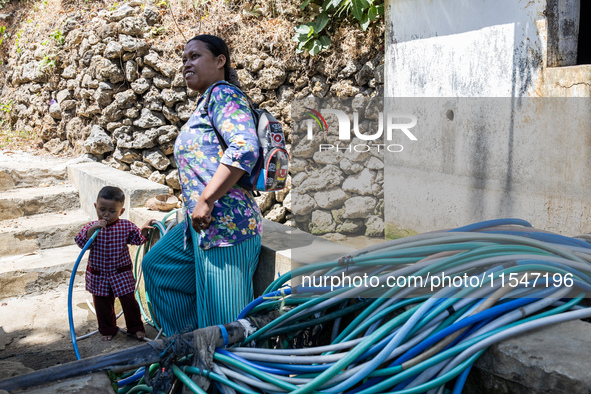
157 31
15 138
314 36
48 62
6 107
19 34
58 37
2 33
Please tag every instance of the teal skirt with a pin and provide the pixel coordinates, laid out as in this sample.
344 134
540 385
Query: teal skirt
193 288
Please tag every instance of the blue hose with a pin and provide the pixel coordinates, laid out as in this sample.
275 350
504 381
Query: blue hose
70 289
545 237
386 335
491 223
131 379
262 299
461 380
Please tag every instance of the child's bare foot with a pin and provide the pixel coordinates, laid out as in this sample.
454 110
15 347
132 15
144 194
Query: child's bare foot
106 337
140 335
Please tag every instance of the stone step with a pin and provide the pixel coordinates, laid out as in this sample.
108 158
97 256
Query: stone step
91 177
39 271
31 233
26 170
37 200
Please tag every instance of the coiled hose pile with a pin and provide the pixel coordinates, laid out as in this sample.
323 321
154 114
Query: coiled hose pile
429 306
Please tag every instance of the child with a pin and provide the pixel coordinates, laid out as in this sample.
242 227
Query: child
109 272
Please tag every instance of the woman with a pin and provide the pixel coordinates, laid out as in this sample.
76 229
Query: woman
200 273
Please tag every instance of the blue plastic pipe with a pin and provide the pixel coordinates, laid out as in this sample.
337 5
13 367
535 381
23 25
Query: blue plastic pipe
70 289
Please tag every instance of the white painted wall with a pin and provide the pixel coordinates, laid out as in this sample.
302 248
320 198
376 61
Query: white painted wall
464 48
511 156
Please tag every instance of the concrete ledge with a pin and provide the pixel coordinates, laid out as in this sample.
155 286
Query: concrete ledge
26 170
89 178
285 248
551 360
39 271
44 231
30 201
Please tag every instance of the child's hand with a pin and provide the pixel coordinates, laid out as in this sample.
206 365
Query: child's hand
91 230
147 227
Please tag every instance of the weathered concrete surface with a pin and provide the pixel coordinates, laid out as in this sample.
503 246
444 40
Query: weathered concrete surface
31 233
461 48
38 208
492 159
471 162
38 271
552 360
27 170
31 201
89 178
34 330
573 81
285 248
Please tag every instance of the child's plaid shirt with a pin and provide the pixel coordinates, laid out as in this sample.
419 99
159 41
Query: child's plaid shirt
109 263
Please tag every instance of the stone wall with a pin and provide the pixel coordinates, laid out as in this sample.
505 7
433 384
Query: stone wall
116 93
338 185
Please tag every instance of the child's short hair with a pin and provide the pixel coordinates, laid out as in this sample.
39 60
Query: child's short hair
112 193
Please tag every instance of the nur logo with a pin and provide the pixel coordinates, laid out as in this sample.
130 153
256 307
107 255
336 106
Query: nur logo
394 121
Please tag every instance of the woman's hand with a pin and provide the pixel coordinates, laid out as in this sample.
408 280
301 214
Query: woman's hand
224 178
201 215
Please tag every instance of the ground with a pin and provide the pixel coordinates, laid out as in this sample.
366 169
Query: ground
40 338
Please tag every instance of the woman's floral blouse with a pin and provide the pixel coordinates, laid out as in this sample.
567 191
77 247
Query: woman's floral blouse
236 216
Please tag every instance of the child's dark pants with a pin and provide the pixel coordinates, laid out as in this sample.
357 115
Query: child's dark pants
107 320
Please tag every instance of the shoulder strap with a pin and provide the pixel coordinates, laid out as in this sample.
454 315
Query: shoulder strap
205 110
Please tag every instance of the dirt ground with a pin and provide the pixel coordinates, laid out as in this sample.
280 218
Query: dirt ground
34 331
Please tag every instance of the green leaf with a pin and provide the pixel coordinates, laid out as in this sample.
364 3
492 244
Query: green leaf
316 47
372 13
324 41
303 29
300 48
337 3
321 22
357 7
304 4
364 22
380 9
303 39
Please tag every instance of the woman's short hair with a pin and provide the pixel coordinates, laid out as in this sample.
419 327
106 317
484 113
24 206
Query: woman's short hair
217 47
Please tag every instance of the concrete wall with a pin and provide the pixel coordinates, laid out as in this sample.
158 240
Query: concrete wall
464 48
487 145
91 177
